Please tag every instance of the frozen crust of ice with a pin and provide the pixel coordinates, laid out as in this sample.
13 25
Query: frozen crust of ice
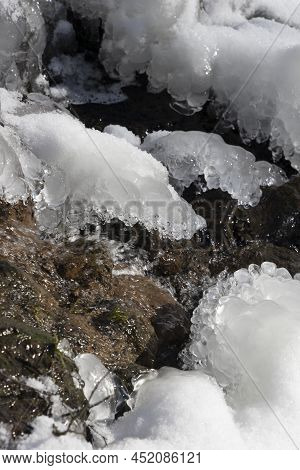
187 155
87 173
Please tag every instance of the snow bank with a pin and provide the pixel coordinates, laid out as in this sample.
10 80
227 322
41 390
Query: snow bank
178 410
86 173
238 49
190 154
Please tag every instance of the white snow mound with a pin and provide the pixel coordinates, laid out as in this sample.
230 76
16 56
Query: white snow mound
86 173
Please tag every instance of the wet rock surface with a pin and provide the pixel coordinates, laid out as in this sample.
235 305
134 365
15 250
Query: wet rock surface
53 291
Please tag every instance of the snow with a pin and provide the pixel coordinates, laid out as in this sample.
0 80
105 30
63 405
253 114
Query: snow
86 173
123 133
233 169
178 410
4 435
245 334
43 438
241 50
242 389
245 53
43 385
241 384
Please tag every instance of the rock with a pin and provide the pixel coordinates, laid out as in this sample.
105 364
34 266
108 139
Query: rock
172 327
256 253
120 330
276 219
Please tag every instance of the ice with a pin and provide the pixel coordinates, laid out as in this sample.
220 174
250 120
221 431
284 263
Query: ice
234 51
22 42
100 391
234 11
20 171
187 155
245 333
87 173
99 387
239 50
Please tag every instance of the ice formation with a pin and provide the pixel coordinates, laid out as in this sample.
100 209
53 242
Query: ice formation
22 42
99 387
247 53
85 173
244 53
245 333
187 155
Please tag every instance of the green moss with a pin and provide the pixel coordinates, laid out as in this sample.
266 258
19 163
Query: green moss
119 316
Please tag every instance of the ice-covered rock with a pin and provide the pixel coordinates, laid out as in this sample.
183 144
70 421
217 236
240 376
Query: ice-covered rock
86 173
245 333
22 42
187 155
